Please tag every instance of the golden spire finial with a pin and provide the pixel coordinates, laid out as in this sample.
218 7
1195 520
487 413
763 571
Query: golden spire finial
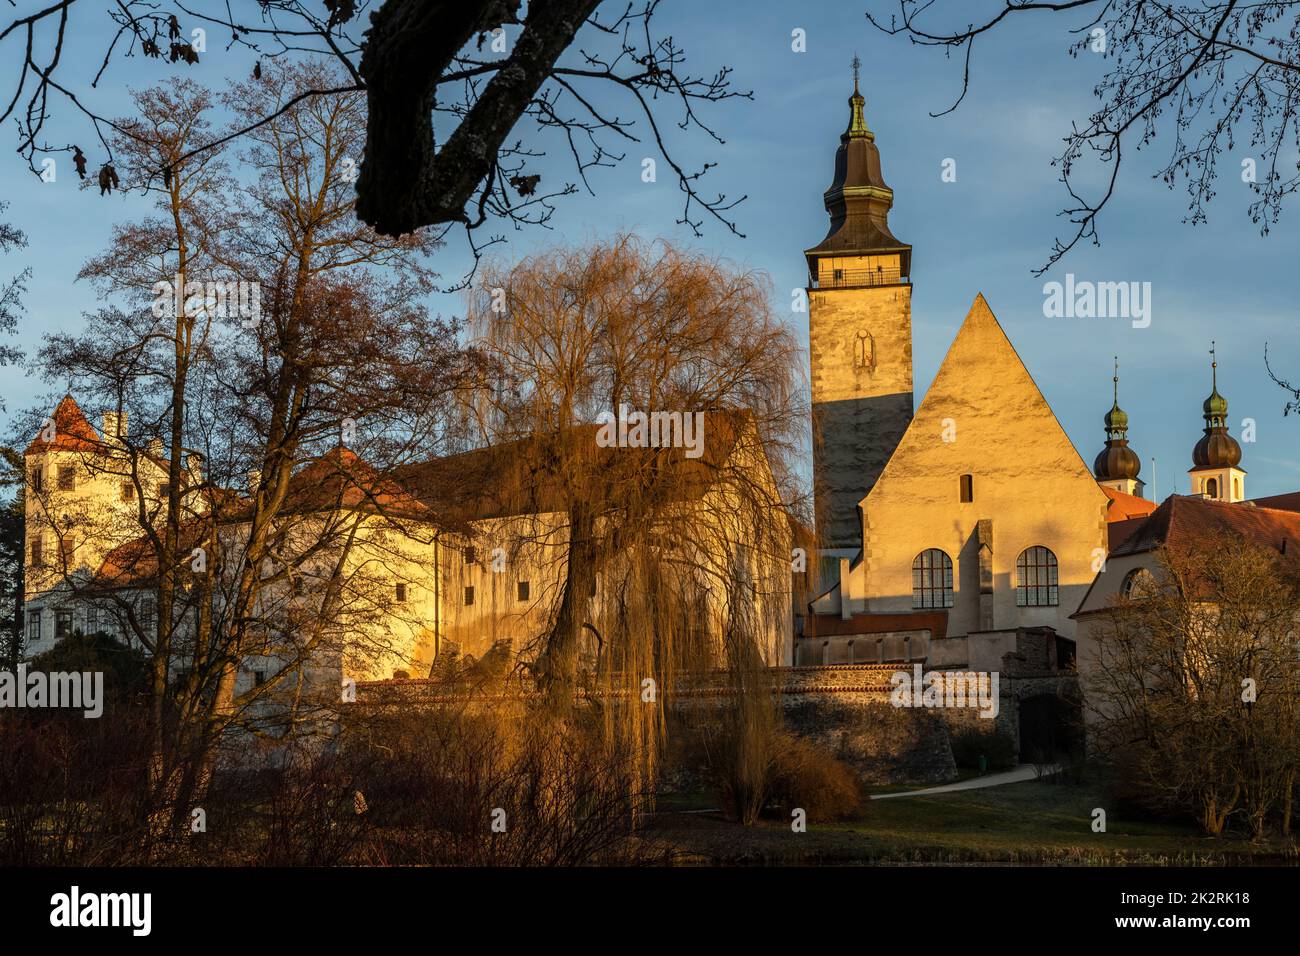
857 65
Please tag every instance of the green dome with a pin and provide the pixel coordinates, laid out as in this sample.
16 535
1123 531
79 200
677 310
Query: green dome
1216 406
1116 419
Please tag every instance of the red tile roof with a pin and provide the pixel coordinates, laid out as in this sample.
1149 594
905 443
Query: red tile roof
826 625
1124 507
1183 519
1287 502
72 431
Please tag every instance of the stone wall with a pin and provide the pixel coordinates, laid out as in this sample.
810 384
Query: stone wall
847 709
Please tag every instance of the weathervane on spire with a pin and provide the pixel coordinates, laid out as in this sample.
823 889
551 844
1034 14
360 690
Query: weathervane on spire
1214 367
1115 379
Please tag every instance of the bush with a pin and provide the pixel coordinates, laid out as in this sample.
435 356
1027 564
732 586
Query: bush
997 746
806 776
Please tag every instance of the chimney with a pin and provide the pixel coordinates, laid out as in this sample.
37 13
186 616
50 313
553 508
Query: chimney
114 427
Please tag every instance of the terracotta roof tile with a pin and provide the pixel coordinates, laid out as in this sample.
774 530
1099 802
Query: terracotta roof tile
1123 506
1183 519
72 431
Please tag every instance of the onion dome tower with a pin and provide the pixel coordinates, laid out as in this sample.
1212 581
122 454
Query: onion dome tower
1215 458
1118 465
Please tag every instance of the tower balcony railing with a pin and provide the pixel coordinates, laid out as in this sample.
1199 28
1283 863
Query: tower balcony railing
853 278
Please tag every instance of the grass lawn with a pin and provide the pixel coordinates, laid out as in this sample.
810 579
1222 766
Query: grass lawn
1030 822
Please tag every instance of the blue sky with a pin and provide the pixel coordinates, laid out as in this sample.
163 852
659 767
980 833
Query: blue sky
982 233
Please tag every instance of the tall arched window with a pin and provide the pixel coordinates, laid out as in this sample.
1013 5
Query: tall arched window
1036 578
1212 488
931 579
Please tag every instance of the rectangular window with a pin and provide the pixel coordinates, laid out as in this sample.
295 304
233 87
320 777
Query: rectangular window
967 488
523 590
38 554
67 548
128 491
38 479
401 594
92 619
62 623
259 678
146 614
469 595
67 477
33 625
164 489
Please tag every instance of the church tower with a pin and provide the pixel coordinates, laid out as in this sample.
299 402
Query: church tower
1216 456
860 336
1118 465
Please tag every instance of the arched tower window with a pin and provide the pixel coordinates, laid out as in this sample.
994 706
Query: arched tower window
864 351
1138 584
931 579
1036 578
1212 487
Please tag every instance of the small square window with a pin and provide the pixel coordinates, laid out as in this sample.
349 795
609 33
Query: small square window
523 590
401 594
128 491
259 678
469 595
471 555
967 488
67 477
164 489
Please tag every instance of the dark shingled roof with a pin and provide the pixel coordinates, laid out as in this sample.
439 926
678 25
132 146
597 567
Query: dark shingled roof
858 199
514 478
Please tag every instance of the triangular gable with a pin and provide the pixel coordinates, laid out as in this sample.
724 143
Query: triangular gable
984 388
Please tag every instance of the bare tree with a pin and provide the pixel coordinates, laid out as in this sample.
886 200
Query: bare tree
338 350
1211 74
1197 689
480 67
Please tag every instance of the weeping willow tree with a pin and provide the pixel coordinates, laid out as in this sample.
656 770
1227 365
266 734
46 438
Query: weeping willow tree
652 403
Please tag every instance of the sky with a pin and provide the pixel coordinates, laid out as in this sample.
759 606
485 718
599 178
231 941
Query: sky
984 232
